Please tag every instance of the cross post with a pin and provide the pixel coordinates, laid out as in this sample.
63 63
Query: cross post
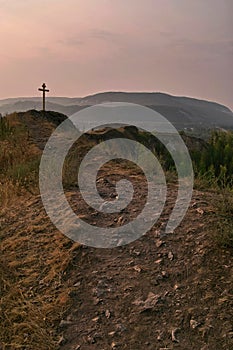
44 90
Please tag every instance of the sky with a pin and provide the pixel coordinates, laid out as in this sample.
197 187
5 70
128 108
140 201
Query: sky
82 47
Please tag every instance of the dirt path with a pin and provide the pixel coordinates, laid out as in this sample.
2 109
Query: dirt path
160 292
170 292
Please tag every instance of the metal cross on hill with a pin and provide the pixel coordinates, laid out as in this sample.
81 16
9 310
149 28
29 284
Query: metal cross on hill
44 90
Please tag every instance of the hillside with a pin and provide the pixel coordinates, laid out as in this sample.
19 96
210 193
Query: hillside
185 113
163 291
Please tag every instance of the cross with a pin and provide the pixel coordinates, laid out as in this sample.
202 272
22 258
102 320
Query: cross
44 90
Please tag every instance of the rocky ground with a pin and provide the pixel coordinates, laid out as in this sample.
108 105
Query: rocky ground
160 292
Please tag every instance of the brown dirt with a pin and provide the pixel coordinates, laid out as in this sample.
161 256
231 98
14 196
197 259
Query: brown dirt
190 278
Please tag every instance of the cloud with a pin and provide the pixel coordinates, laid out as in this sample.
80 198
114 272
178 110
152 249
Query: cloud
204 46
103 34
86 38
71 41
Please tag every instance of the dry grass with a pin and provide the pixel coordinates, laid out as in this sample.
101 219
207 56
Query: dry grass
34 293
19 162
224 224
33 256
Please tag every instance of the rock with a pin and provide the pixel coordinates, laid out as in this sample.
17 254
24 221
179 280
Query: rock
149 303
91 339
112 333
77 284
159 337
170 256
200 211
97 301
194 324
61 341
158 261
108 314
137 268
96 319
174 331
131 262
159 243
151 300
135 252
121 220
64 323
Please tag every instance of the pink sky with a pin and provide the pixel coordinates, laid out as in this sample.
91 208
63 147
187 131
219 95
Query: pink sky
80 47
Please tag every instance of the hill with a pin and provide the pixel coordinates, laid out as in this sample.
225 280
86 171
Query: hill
185 113
163 291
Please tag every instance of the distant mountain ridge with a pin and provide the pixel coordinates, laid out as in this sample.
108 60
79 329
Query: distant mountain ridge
183 112
148 98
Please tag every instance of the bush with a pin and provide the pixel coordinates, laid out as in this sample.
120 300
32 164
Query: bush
215 163
19 160
224 229
5 128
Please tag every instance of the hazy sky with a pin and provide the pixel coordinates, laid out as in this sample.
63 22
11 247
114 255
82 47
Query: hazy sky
80 47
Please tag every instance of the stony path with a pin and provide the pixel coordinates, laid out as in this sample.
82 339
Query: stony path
160 292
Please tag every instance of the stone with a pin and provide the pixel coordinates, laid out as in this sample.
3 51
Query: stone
137 268
149 303
173 334
170 256
159 243
200 211
112 333
61 341
77 284
108 314
194 324
64 323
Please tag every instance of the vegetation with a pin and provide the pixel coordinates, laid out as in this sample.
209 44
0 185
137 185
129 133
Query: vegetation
213 168
5 128
215 163
223 230
19 160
